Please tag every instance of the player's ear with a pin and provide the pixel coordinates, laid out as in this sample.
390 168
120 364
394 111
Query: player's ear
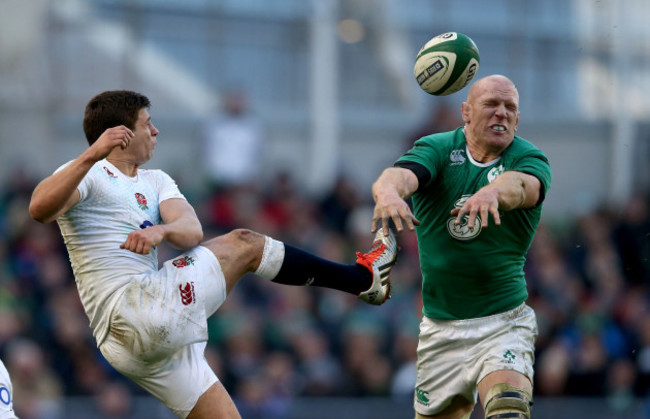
464 110
517 122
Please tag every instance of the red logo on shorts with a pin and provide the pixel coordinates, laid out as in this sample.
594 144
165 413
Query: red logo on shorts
187 293
183 261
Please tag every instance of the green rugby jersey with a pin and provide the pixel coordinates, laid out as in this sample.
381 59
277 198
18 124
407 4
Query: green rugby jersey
471 273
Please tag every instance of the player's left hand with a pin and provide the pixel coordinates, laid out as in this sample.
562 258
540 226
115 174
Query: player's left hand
143 240
482 203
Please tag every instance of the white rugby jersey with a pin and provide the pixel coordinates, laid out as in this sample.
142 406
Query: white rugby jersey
110 207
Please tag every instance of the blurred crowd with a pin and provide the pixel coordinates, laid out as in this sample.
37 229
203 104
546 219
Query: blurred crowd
589 282
588 278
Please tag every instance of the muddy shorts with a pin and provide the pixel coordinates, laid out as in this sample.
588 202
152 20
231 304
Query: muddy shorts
158 331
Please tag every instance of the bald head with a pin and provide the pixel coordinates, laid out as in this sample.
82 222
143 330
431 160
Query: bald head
491 116
494 82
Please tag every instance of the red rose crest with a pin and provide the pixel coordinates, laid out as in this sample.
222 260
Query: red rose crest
142 201
183 261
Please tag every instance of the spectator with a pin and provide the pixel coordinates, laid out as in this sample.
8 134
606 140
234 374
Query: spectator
233 143
37 389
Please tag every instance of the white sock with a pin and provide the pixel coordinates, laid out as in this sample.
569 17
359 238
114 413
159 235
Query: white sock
272 258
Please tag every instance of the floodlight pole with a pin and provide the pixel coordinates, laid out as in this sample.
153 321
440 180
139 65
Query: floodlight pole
324 151
623 142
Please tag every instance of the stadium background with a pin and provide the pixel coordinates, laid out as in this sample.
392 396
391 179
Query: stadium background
330 83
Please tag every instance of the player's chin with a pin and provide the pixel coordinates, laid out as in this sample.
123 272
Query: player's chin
501 138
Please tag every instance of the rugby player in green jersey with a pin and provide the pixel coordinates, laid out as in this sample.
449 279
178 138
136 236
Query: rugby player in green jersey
477 196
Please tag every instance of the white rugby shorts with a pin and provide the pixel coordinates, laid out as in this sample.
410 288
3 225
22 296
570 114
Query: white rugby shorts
455 355
158 330
6 394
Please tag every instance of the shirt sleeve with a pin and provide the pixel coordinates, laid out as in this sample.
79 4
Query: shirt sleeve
421 172
168 187
84 185
537 165
423 159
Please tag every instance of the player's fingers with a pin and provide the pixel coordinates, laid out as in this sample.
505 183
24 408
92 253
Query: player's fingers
484 217
497 217
409 223
373 230
125 245
410 219
139 247
385 224
397 220
472 218
460 214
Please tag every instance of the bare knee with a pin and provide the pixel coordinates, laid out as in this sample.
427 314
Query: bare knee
240 250
247 240
238 238
505 399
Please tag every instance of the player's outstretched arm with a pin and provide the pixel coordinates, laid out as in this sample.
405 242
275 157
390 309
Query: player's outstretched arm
181 229
58 193
511 190
390 191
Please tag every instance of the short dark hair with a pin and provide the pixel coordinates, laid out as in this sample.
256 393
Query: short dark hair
110 109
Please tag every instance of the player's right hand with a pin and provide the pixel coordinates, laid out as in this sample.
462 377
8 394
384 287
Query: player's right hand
144 240
119 136
395 209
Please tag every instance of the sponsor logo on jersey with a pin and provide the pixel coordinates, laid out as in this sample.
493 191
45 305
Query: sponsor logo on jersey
509 357
110 173
183 261
422 396
494 173
456 157
462 231
187 293
142 201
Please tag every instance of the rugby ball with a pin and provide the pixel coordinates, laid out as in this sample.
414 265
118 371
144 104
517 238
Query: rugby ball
446 63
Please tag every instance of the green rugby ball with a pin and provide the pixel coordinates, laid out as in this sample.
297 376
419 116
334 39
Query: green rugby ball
446 64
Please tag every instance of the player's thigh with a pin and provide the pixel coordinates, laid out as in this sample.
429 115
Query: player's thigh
508 349
239 252
514 378
215 403
443 384
161 312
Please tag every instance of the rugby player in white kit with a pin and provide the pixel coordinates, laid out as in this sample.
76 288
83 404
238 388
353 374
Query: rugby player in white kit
6 394
150 324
